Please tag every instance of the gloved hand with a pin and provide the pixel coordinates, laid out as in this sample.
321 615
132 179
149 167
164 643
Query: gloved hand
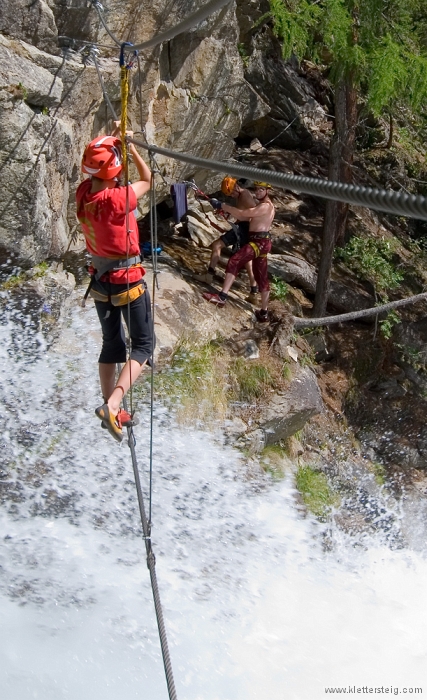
216 203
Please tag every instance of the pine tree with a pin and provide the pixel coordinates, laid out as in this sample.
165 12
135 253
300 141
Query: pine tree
375 49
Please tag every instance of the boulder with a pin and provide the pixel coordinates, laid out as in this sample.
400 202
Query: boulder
37 306
200 232
30 20
288 411
296 270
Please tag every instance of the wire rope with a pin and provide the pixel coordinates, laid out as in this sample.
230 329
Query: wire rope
101 82
201 14
99 8
398 203
146 524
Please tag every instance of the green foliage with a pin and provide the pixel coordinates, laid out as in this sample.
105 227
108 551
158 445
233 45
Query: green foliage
14 281
273 460
250 380
279 289
371 259
294 23
315 491
381 47
23 90
194 383
21 277
243 54
388 324
380 473
40 269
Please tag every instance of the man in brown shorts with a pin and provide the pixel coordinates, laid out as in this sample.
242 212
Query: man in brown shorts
260 219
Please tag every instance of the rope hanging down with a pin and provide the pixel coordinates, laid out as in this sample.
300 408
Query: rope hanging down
389 201
201 14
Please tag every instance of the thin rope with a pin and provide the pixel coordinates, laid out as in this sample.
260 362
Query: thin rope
389 201
353 315
153 243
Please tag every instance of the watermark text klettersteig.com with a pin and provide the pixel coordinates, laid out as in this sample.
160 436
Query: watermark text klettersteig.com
389 689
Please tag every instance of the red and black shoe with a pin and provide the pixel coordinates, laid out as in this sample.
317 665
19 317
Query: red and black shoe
261 316
214 299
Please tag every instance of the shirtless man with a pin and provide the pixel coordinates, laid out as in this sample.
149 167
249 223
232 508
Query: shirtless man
260 219
244 200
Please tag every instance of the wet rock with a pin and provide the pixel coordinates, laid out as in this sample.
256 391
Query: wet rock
248 349
288 411
252 442
39 304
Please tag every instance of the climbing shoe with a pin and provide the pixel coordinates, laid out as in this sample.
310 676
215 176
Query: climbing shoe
206 277
214 299
110 422
261 316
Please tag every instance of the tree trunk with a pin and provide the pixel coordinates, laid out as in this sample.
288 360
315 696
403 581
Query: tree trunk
340 170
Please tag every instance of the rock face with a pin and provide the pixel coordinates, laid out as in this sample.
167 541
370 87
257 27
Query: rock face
288 412
294 110
342 297
193 97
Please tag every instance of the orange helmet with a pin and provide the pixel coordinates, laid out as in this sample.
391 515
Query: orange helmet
103 157
227 185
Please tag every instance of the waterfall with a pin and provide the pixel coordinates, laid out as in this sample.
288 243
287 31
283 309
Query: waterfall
255 606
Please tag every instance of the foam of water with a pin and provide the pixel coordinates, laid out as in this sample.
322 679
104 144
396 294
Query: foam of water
254 608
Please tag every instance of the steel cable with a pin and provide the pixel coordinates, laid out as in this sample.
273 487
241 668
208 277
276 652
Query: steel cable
151 564
99 8
201 14
101 82
398 203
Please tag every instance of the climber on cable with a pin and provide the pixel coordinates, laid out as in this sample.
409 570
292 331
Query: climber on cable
260 220
105 211
235 238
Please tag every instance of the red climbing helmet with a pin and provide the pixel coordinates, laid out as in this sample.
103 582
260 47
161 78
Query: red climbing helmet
103 157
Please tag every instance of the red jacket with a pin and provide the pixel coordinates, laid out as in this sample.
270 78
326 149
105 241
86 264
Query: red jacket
102 216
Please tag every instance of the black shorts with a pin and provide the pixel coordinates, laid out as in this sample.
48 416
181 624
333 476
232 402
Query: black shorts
138 321
236 237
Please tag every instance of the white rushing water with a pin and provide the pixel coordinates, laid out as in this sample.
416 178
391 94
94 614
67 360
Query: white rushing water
254 608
